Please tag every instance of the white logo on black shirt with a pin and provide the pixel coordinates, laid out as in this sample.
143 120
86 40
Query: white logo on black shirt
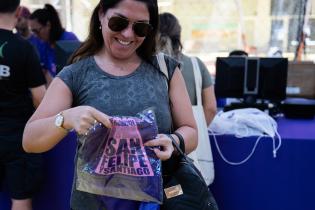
4 71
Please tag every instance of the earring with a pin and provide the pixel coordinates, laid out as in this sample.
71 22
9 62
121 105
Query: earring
100 27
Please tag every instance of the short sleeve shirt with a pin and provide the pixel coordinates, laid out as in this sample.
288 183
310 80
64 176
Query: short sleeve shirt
19 70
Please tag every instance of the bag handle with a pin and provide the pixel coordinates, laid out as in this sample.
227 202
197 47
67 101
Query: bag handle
189 160
198 80
162 64
163 67
177 147
181 141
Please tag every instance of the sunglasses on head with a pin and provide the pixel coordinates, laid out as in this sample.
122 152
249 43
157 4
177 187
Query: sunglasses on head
117 23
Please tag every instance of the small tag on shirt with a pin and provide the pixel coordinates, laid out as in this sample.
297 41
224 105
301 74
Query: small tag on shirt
173 191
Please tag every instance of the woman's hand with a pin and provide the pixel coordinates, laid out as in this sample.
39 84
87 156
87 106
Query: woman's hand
82 118
165 144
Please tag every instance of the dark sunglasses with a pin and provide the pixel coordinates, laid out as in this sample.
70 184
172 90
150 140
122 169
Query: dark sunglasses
37 30
117 23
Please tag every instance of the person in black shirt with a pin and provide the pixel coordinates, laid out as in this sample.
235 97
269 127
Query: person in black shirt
22 87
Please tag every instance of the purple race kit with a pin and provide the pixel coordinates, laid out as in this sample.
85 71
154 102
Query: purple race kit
114 162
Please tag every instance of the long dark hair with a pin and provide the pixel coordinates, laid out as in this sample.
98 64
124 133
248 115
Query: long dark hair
95 41
49 14
170 28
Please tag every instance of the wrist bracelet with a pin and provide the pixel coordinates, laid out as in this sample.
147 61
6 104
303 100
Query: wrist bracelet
174 143
181 141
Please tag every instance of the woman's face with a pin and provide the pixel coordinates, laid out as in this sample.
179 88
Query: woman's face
41 31
123 44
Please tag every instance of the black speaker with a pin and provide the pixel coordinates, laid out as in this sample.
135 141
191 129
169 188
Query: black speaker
298 108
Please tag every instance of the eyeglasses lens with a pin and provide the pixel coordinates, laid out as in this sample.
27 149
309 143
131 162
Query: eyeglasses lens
36 30
117 24
142 29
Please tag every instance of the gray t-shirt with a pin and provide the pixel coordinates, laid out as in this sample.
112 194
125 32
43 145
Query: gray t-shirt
117 95
188 74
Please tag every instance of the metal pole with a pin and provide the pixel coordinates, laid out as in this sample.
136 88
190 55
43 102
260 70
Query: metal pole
68 8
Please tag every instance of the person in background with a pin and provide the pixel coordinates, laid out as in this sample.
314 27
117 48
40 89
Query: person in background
228 101
170 43
200 88
22 26
23 29
238 53
46 25
114 72
22 87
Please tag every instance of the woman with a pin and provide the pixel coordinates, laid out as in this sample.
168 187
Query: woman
170 43
45 23
115 74
200 88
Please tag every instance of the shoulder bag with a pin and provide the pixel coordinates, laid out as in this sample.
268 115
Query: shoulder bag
184 186
202 156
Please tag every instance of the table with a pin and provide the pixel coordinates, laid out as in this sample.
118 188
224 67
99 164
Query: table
286 182
59 168
263 183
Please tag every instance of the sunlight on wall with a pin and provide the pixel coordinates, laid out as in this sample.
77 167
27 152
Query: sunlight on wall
213 28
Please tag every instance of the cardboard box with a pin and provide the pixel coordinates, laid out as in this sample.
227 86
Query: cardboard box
301 80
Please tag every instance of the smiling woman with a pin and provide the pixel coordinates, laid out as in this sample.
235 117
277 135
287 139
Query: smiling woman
123 43
114 73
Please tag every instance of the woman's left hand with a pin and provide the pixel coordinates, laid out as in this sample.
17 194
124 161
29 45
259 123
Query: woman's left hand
165 144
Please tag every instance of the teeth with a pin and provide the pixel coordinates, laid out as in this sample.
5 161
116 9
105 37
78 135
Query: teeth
123 42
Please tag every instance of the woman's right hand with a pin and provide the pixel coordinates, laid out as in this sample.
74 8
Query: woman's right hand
82 118
164 142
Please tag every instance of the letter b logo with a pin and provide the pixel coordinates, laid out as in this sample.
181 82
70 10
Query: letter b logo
4 71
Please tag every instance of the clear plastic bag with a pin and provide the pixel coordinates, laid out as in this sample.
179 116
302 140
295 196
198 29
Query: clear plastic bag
114 162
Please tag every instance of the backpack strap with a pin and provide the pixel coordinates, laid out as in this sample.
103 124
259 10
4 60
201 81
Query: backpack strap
162 65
